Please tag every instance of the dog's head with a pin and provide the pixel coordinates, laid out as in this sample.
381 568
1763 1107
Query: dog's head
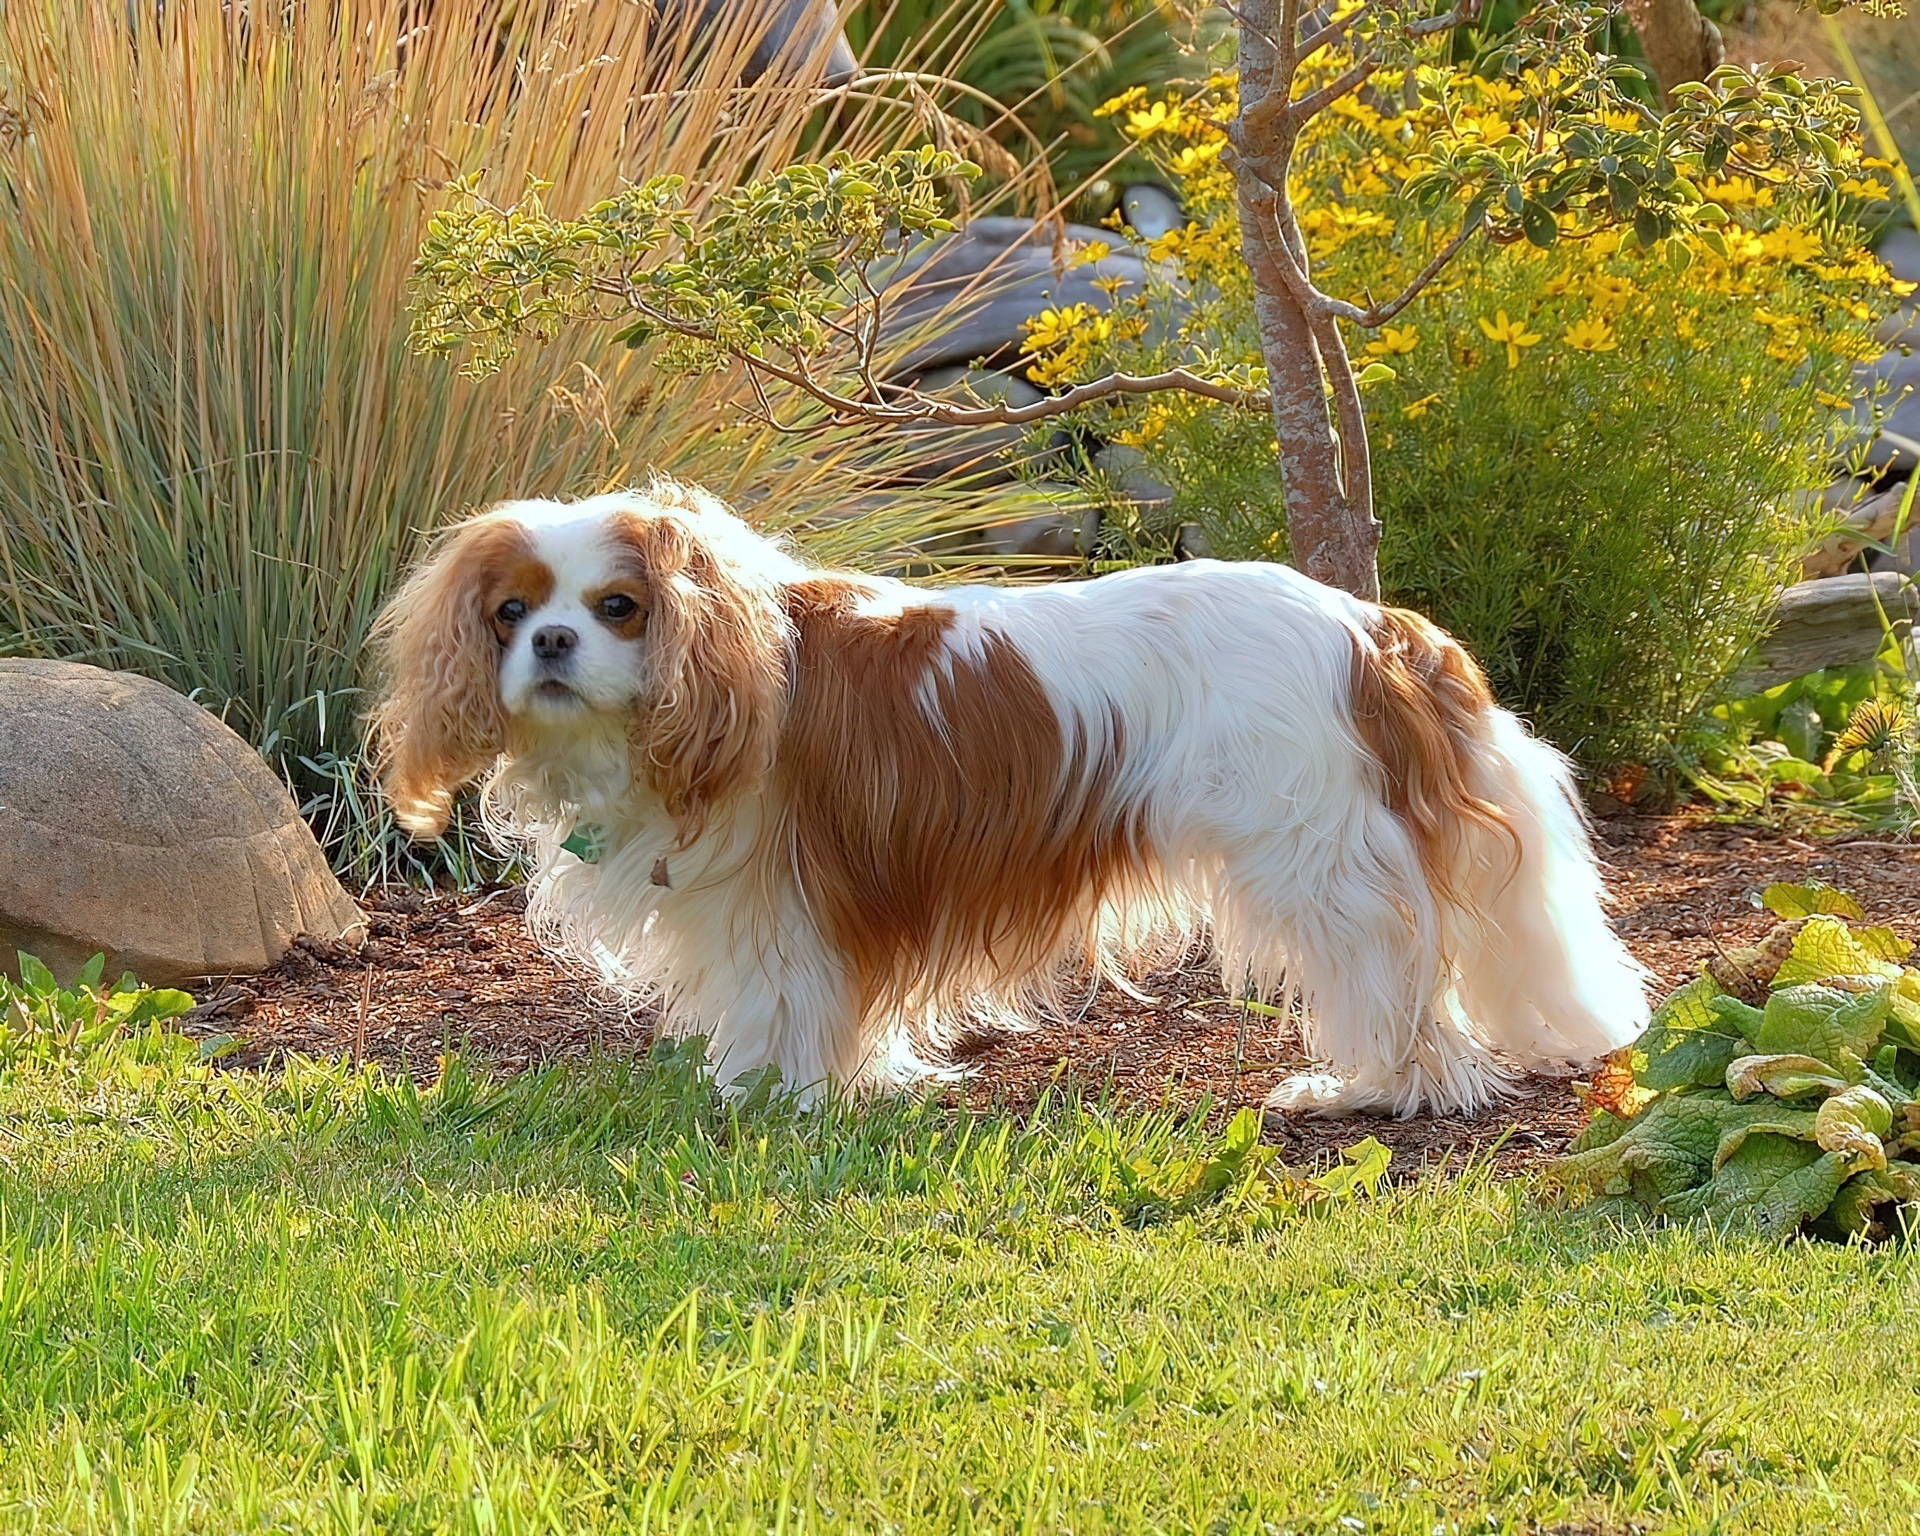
534 618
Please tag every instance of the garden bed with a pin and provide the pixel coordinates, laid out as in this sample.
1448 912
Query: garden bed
460 970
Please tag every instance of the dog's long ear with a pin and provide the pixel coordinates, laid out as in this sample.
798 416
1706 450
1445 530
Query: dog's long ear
439 723
709 723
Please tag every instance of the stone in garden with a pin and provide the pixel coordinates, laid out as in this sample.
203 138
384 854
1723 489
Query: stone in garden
973 291
1151 211
133 823
1126 471
796 31
1834 621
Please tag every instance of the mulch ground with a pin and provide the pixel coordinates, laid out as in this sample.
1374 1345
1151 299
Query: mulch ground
446 970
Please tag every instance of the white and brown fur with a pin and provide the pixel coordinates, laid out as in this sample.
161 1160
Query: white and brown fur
845 818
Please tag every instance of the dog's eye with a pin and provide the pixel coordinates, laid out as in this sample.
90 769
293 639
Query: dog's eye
617 607
512 611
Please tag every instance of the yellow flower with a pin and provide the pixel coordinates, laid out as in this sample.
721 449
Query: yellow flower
1512 334
1052 326
1161 117
1092 251
1590 333
1394 339
1608 292
1414 410
1196 157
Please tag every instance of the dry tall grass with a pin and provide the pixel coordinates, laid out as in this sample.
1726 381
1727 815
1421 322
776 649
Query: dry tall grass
214 447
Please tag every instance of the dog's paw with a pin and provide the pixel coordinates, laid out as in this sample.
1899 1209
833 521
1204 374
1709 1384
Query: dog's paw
1326 1094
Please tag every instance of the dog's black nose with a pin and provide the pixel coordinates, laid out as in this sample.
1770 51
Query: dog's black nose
553 642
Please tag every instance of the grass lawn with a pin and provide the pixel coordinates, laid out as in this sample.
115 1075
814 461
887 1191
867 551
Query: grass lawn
592 1300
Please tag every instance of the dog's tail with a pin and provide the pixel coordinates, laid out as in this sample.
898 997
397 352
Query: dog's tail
1526 952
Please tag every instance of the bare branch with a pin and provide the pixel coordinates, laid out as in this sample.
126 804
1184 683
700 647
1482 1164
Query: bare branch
1380 314
1308 106
1086 394
1333 31
1446 21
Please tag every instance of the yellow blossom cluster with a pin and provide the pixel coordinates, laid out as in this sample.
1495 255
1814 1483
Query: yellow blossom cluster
1775 270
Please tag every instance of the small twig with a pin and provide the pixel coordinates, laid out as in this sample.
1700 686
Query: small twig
1380 314
1333 31
1311 105
360 1023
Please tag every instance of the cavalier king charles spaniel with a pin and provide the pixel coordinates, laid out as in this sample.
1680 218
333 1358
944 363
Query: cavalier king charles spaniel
829 821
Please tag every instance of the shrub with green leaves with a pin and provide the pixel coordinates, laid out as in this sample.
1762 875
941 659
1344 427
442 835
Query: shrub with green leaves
1779 1089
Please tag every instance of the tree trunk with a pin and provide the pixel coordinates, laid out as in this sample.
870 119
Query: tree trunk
1326 476
1680 43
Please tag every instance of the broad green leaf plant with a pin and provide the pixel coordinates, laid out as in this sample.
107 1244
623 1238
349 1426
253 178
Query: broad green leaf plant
1776 1091
795 306
43 1023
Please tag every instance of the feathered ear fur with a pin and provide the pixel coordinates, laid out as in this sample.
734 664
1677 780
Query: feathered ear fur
716 658
439 723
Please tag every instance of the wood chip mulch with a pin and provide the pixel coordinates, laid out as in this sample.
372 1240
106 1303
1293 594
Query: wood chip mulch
459 969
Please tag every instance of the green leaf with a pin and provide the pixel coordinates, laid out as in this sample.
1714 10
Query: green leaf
1855 1209
35 977
150 1006
1539 224
1374 373
1687 1044
1783 1076
1364 1165
1762 1117
1852 1123
1769 1186
1825 947
1812 1020
1784 900
90 973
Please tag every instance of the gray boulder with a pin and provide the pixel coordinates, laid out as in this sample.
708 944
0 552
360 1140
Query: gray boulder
1151 211
973 291
134 823
791 32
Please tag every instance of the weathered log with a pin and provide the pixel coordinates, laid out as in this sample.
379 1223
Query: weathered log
1835 621
1869 523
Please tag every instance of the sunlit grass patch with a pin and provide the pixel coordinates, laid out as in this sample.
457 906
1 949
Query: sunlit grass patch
598 1298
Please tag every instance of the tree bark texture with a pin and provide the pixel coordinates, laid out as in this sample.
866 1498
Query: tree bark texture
1680 43
1331 530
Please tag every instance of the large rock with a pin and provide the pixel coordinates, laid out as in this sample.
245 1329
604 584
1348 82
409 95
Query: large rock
135 823
972 292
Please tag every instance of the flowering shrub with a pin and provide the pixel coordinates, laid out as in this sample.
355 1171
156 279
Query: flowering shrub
1588 444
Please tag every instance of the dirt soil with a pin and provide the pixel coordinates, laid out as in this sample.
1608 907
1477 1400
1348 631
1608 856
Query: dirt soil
441 970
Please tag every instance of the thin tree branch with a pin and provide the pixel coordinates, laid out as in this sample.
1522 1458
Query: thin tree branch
1380 314
913 406
1307 107
1446 21
1333 31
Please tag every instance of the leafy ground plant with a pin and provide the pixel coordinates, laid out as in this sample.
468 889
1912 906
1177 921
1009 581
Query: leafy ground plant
45 1023
1780 1089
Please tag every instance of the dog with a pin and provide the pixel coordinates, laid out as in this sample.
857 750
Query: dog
831 821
